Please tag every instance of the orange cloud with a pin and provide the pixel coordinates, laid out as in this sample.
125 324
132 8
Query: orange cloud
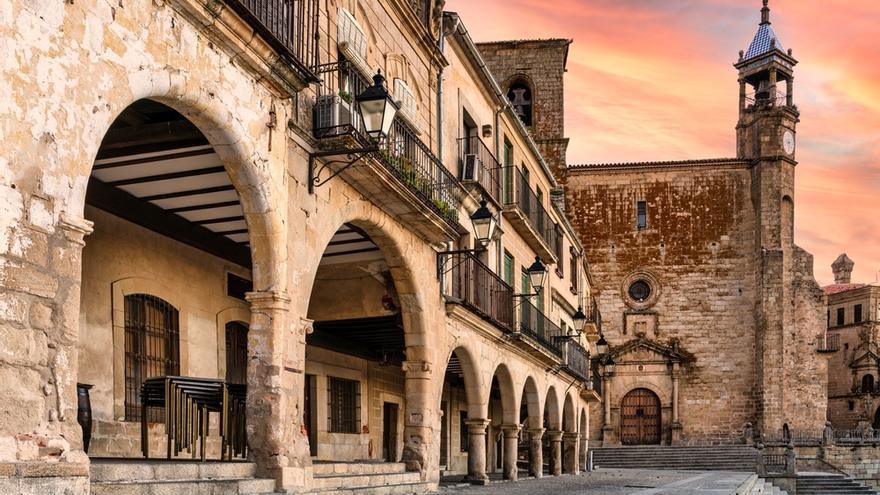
654 81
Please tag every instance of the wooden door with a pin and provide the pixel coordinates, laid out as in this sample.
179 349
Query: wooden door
640 418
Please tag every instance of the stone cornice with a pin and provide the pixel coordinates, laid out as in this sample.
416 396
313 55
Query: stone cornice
661 165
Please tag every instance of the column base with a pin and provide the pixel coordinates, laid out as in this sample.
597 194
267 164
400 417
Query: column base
476 481
609 436
675 437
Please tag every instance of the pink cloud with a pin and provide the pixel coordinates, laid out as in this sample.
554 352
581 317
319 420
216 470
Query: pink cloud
653 80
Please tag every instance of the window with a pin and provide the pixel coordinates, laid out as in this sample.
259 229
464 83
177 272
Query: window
573 269
851 404
508 172
237 287
344 401
463 431
868 384
508 268
152 348
236 353
841 316
560 265
857 313
828 323
639 291
642 215
520 96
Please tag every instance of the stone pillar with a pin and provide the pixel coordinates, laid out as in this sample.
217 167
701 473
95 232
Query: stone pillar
789 96
477 451
277 437
772 86
608 437
570 447
676 423
536 454
511 446
555 452
742 94
418 417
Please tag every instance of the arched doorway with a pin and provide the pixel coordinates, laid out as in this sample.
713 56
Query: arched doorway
503 424
459 403
530 450
170 253
640 418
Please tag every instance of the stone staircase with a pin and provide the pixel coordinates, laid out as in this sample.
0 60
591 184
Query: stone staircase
830 484
145 477
366 478
760 486
714 458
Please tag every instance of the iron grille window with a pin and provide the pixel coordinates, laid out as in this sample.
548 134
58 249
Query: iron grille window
152 348
236 353
857 316
841 316
344 401
642 215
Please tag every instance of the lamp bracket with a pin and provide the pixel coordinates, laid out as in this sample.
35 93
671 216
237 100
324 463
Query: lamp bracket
342 156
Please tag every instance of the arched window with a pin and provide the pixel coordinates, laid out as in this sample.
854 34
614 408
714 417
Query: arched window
236 353
152 348
520 96
867 384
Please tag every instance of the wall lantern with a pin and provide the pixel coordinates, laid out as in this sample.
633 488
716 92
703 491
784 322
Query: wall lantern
579 319
377 108
484 224
601 345
609 365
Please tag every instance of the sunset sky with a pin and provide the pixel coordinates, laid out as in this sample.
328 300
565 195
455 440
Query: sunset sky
653 80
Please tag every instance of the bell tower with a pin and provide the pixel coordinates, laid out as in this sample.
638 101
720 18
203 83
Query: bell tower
766 138
767 113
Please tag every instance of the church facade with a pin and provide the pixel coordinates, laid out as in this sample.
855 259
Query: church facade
710 308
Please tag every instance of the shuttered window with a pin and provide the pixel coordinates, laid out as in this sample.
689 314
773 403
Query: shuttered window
152 348
344 402
236 353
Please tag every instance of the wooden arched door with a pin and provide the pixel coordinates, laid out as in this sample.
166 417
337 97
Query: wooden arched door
640 418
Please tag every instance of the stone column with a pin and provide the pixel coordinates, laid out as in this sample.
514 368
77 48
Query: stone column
555 452
789 96
772 86
536 459
676 424
511 447
608 437
277 438
742 94
570 449
418 417
477 451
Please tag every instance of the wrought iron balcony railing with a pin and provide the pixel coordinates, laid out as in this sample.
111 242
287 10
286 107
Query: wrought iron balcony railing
519 193
468 281
402 153
290 26
478 164
577 360
536 325
828 343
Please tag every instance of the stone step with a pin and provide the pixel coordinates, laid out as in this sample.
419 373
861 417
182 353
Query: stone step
185 487
102 470
349 481
324 468
403 489
830 484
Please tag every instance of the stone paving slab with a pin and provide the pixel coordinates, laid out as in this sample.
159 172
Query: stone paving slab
616 482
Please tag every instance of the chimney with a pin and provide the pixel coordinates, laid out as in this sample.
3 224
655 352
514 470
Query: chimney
842 267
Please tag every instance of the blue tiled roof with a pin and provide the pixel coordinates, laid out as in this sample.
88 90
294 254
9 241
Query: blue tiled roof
761 44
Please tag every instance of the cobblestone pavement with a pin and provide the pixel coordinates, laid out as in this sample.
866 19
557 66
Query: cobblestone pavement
615 482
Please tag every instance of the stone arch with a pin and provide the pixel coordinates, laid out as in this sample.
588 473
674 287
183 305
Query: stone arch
520 91
477 407
508 394
569 423
249 171
552 411
532 399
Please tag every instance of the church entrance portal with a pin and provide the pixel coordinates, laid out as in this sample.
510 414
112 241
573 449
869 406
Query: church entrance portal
640 418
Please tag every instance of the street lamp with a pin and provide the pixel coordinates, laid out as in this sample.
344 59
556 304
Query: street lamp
484 224
377 108
609 365
579 319
537 274
601 345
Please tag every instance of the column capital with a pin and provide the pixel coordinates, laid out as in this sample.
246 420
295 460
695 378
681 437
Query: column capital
477 426
511 430
416 367
268 300
571 436
555 435
75 228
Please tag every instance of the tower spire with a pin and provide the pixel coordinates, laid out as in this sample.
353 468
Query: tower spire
765 13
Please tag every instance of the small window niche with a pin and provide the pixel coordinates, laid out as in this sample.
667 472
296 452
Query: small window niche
641 215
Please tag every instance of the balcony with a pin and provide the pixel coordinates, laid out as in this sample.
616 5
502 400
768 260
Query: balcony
479 168
290 27
469 282
524 210
404 178
539 335
828 343
593 325
576 360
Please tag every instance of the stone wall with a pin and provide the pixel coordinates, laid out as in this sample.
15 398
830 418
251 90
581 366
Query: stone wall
862 462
